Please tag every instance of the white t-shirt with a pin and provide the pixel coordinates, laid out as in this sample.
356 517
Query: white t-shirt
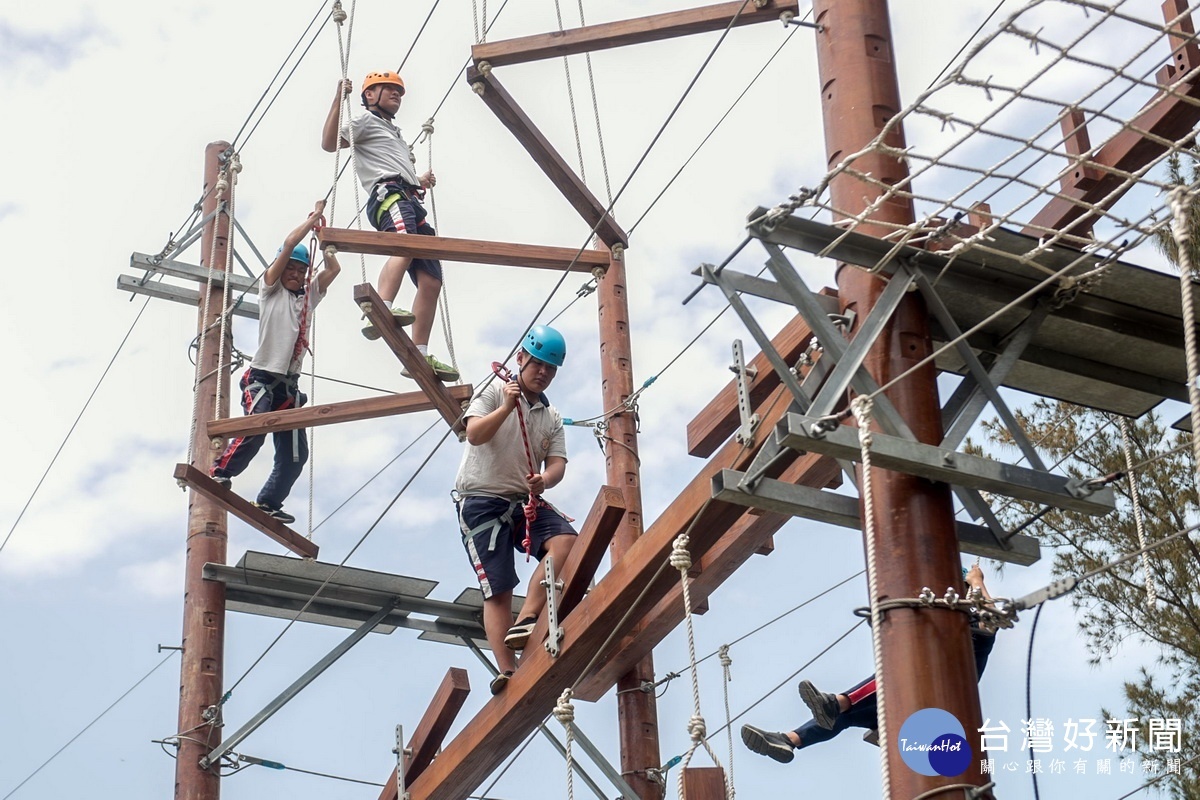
379 151
500 466
279 326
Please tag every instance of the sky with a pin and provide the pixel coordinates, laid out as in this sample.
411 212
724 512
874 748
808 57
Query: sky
110 108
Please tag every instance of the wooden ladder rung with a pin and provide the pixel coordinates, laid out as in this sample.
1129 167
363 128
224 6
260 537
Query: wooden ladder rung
245 510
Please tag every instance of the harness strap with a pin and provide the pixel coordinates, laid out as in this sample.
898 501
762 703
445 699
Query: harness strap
492 525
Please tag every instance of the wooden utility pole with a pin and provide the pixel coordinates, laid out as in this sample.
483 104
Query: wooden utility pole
637 711
202 671
927 658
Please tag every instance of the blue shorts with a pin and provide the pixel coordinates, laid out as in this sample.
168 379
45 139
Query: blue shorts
493 527
403 214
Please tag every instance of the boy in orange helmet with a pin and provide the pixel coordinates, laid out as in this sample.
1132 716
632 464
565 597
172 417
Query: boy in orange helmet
385 166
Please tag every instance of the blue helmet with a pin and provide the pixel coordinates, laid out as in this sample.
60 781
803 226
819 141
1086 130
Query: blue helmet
545 344
299 253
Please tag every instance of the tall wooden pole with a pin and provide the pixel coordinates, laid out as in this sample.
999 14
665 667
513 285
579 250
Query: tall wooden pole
637 711
202 671
927 657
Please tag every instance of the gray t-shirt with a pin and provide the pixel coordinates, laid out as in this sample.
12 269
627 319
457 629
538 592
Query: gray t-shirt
379 151
500 466
279 326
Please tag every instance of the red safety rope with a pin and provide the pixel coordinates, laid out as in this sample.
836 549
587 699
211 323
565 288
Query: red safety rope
302 338
531 505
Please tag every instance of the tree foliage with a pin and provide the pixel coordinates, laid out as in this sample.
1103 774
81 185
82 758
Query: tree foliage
1112 607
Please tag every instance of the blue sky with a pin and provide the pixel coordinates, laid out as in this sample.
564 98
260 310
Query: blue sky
110 112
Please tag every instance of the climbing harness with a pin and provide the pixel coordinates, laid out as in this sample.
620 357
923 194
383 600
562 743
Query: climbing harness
533 502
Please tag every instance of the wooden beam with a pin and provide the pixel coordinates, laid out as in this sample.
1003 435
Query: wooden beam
717 421
586 554
704 783
630 31
332 413
438 393
245 510
467 251
513 117
1169 115
733 550
434 726
531 693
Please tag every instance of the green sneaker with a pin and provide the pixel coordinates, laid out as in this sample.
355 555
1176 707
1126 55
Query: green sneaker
402 317
443 372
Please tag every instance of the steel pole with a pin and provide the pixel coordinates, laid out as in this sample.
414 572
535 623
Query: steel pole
637 711
202 670
927 656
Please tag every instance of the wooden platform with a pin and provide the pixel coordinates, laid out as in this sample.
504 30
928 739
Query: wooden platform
438 393
467 251
245 510
331 413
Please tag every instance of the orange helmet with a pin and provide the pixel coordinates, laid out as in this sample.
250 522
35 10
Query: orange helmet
387 77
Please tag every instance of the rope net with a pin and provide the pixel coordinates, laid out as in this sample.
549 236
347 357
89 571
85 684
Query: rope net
1023 133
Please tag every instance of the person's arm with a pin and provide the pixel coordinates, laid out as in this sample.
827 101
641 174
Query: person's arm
480 430
328 272
275 271
330 138
548 478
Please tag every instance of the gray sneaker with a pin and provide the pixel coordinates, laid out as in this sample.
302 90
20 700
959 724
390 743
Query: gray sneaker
824 706
402 317
776 746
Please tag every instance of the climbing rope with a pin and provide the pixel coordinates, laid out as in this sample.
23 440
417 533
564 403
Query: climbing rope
596 113
480 31
1138 518
339 16
533 502
681 560
861 407
1181 230
571 99
305 341
564 712
727 676
444 294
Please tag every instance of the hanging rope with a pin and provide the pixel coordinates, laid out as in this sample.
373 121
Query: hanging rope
339 16
1138 518
530 507
304 342
571 99
1180 229
681 560
861 407
596 113
727 676
564 712
444 294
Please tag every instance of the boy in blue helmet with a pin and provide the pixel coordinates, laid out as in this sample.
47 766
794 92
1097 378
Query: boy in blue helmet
271 383
496 482
385 166
857 706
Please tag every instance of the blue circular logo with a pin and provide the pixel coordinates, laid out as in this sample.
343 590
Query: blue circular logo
932 742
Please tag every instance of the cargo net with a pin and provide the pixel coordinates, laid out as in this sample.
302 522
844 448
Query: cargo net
1060 124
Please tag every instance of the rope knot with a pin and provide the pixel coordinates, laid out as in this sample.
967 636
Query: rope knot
427 127
564 712
681 559
696 728
861 407
723 654
339 14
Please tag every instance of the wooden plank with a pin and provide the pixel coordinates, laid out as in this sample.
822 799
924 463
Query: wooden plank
381 317
531 694
717 421
245 510
439 716
704 783
332 413
513 117
467 251
587 553
630 31
733 550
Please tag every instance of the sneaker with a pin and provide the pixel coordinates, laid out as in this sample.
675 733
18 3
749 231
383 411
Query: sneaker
277 513
518 635
499 682
824 706
223 480
775 746
400 316
872 737
443 372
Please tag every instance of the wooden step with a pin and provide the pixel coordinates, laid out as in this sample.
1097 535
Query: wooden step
467 251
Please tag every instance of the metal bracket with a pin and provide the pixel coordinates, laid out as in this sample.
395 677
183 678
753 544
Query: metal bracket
553 586
402 753
750 420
